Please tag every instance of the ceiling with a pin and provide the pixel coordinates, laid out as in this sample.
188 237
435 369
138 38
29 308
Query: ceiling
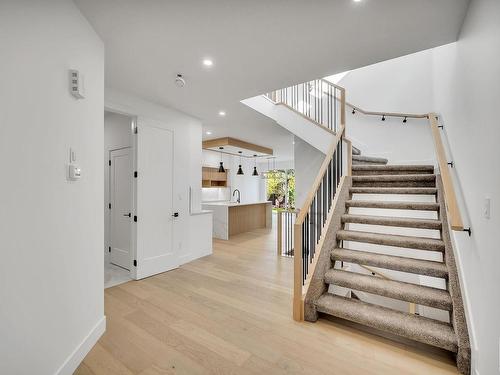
256 46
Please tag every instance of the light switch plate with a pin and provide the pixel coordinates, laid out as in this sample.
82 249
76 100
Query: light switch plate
487 208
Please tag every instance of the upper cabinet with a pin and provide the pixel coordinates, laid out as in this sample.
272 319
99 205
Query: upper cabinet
211 177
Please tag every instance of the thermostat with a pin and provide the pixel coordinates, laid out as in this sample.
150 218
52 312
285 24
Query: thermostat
75 172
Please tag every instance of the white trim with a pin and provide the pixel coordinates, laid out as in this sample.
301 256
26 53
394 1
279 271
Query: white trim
73 361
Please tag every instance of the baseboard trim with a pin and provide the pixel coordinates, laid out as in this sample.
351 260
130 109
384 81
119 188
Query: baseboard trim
193 256
73 361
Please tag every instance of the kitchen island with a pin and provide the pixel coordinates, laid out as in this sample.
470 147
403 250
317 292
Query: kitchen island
230 218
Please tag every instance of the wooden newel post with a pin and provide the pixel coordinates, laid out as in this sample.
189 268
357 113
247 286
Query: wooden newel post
298 304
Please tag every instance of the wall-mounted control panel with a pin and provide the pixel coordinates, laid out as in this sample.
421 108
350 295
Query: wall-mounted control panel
76 84
75 172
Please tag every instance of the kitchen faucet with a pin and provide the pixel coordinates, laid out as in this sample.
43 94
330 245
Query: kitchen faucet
239 195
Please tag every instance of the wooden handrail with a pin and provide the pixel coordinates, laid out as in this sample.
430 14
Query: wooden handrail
388 114
454 216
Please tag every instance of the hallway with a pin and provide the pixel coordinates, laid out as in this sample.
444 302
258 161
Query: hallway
230 313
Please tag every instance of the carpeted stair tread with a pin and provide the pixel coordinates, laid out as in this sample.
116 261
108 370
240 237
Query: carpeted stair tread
421 206
392 221
419 294
409 242
395 180
415 327
361 159
363 170
391 262
393 190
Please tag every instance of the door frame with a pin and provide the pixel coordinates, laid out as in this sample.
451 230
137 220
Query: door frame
117 108
132 209
133 146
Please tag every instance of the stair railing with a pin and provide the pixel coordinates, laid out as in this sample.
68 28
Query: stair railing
323 103
450 196
286 222
319 101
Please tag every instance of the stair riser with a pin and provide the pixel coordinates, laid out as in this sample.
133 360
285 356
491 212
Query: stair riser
401 295
391 266
409 184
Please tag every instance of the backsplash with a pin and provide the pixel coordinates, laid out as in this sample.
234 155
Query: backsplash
215 194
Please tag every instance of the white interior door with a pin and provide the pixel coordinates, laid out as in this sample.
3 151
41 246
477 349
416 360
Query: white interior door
120 183
154 200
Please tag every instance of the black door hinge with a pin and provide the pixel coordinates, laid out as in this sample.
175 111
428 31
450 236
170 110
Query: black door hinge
135 218
109 206
109 163
135 130
135 174
135 262
109 249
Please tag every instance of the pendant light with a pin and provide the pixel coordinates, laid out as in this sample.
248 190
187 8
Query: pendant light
240 171
221 166
255 173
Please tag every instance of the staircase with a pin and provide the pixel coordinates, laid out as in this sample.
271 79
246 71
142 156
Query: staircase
372 238
387 180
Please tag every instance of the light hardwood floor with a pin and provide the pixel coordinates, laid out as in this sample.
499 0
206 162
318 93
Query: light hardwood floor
230 313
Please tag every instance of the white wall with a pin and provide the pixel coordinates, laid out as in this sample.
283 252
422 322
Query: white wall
248 185
187 168
117 134
51 229
467 96
398 85
460 82
307 162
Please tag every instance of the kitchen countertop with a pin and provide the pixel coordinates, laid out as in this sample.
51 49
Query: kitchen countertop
233 204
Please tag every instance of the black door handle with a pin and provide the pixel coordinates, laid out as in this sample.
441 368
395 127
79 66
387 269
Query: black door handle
176 214
129 214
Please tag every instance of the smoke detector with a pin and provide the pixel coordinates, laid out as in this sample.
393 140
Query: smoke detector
180 81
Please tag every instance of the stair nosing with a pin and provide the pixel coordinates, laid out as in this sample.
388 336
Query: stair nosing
394 177
400 290
410 326
422 206
392 221
393 190
409 242
384 261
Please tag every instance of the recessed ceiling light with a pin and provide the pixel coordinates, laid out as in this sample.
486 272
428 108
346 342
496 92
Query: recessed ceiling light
208 132
357 1
208 62
222 113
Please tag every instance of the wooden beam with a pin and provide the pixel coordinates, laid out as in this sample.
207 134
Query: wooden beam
228 141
